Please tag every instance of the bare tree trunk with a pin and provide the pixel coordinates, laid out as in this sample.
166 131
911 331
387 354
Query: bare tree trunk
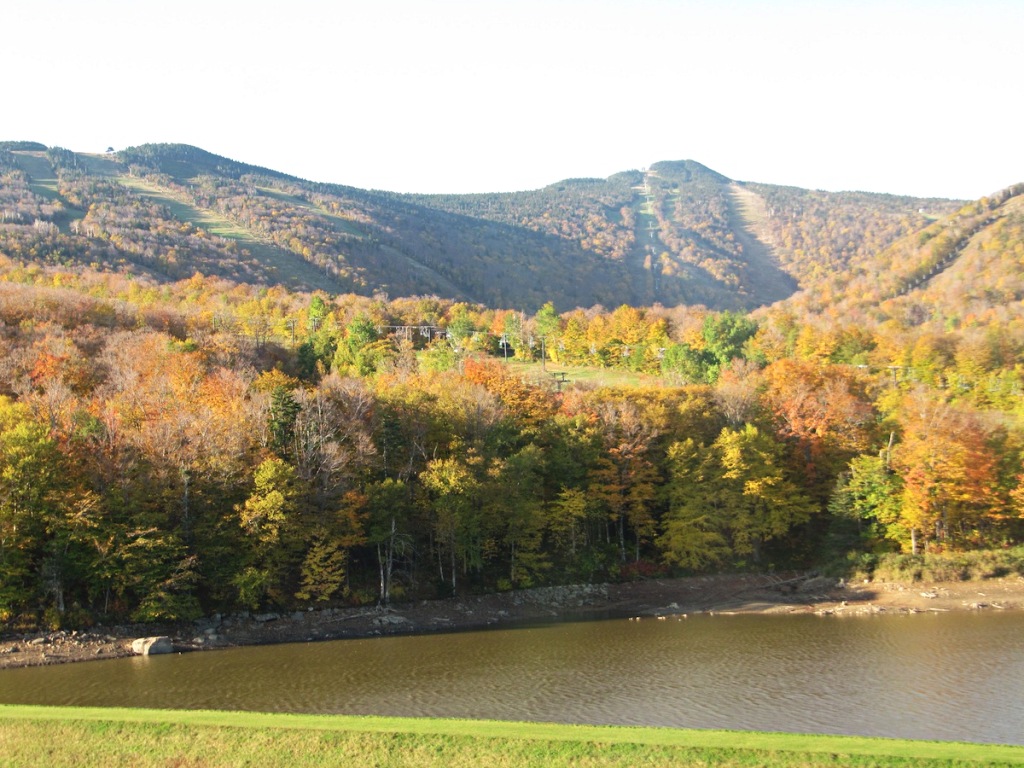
386 563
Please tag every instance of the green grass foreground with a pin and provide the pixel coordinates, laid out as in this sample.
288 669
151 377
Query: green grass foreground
83 736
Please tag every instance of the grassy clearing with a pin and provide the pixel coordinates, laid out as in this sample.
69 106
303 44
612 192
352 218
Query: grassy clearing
750 206
339 223
43 182
598 377
100 165
76 736
43 179
183 211
289 268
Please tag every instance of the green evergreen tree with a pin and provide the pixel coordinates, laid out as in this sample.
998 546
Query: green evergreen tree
284 409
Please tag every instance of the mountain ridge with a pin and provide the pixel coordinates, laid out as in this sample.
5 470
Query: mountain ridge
675 233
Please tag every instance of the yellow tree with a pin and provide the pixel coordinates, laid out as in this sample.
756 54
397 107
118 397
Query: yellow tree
266 513
762 503
573 345
27 480
729 498
951 485
693 530
625 478
821 410
454 489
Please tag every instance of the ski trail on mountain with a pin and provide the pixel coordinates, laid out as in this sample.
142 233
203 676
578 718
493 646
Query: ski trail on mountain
747 212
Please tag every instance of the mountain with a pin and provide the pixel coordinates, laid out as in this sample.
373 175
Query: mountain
964 269
675 233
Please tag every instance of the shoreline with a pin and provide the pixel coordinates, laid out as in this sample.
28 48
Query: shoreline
719 594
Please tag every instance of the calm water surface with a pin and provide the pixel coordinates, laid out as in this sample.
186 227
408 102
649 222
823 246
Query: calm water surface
929 676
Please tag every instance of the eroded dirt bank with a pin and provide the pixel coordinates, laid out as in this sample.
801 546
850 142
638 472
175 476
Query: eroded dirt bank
656 597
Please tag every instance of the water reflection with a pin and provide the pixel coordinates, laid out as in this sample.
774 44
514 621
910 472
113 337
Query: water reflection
931 676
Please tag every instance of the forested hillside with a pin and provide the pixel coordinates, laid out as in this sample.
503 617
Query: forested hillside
175 443
169 450
677 233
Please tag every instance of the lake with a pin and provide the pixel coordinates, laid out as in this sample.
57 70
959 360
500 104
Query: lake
949 676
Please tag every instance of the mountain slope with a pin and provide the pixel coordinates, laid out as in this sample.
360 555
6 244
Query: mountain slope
676 233
966 269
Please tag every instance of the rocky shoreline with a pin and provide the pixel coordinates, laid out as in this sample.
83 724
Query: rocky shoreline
722 594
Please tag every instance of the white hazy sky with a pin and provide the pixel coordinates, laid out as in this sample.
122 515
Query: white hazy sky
917 97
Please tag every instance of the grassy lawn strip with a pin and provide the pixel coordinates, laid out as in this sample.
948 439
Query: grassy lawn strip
83 736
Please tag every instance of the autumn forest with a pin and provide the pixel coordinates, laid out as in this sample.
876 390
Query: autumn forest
223 388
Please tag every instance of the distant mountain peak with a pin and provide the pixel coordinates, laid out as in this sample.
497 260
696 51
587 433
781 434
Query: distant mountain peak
687 170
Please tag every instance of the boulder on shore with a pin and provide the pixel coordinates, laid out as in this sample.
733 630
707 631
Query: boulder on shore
150 646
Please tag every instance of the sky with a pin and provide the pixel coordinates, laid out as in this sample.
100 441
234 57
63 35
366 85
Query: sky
917 98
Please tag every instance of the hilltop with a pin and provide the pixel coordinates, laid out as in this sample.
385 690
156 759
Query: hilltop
675 233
